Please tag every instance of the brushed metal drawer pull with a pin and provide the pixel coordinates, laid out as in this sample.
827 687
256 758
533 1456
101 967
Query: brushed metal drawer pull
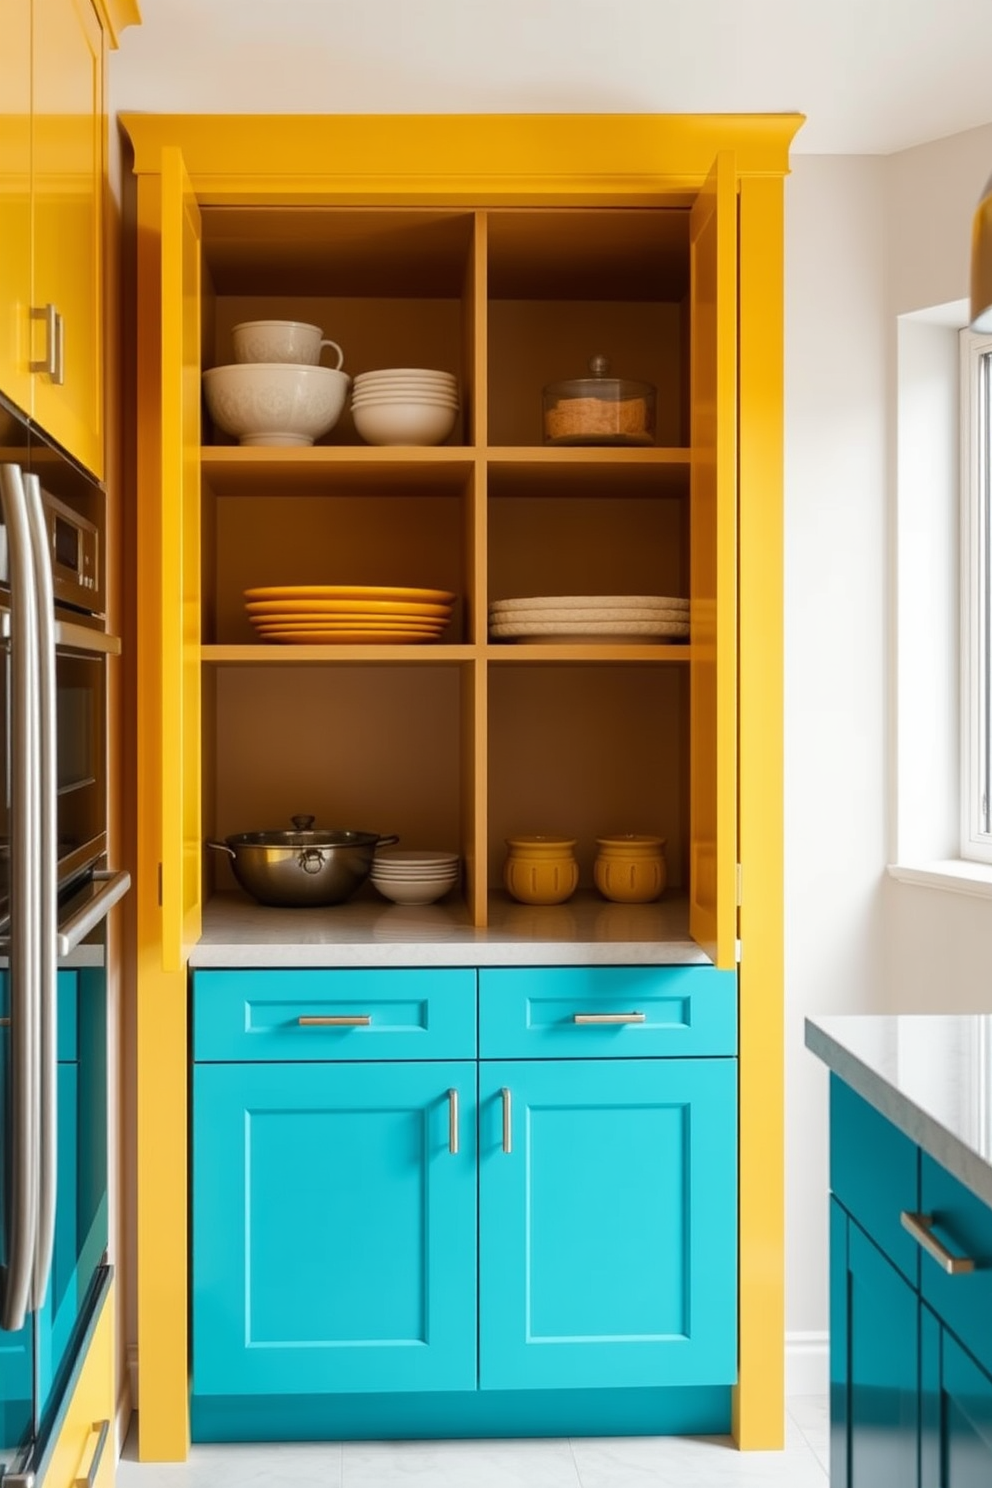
102 1428
337 1020
608 1017
920 1227
453 1122
507 1120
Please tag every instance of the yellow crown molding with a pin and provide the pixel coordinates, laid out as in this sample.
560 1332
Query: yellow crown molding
116 16
455 158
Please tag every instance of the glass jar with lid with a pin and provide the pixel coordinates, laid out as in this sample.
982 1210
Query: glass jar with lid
599 409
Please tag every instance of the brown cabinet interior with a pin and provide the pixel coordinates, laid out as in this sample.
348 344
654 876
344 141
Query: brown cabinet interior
457 744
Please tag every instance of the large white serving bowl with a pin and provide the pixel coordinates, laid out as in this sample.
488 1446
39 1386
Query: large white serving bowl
405 422
275 403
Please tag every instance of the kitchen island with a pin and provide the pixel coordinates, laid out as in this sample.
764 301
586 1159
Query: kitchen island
910 1248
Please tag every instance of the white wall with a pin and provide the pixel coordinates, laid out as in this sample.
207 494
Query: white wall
868 239
835 606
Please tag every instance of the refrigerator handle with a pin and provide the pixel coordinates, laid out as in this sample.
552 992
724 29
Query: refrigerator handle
23 1213
46 860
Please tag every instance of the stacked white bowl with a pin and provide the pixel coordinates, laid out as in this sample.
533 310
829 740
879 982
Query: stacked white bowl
405 405
409 876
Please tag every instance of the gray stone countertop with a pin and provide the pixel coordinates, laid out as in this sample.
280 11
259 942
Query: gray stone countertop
585 931
930 1074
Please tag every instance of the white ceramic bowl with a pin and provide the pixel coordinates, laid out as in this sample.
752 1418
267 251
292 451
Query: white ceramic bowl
369 400
275 403
426 891
412 374
292 341
406 422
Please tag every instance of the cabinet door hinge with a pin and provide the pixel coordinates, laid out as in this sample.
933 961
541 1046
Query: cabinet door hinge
737 951
160 885
740 887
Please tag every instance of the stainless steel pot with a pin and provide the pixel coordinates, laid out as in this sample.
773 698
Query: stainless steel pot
303 868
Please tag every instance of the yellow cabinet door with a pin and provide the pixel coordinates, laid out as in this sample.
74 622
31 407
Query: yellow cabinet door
67 205
85 1452
15 202
713 566
179 557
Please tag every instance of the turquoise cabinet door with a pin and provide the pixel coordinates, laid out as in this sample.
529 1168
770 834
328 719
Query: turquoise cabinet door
874 1365
608 1230
333 1228
956 1436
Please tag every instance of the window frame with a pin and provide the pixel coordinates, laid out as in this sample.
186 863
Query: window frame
976 595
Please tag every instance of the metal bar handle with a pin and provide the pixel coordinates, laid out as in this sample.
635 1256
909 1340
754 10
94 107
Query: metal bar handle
507 1119
48 362
58 353
113 884
337 1020
23 1192
453 1122
920 1226
46 856
102 1429
608 1017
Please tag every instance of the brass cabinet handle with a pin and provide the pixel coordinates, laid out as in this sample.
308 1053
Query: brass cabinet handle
920 1226
453 1122
608 1017
337 1020
507 1120
101 1428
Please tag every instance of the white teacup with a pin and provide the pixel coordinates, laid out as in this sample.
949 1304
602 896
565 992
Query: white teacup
281 341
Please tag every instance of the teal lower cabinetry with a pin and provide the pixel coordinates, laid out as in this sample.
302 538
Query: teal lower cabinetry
593 1174
910 1401
333 1229
459 1245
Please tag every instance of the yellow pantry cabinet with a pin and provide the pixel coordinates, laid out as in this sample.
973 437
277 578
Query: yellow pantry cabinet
52 232
507 251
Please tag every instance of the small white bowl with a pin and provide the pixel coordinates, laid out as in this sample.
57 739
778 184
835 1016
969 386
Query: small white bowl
425 891
275 403
404 422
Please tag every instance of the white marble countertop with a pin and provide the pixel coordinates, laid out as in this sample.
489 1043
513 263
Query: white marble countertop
930 1074
586 931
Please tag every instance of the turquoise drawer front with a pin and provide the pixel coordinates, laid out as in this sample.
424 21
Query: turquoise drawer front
611 1012
874 1173
963 1223
305 1016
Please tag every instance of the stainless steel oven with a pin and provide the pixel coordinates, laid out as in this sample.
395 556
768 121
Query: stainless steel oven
55 893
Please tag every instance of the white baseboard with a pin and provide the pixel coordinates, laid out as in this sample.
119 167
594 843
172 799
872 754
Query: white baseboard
807 1364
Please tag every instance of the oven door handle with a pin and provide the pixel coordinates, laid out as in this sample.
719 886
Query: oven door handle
22 1215
114 884
72 637
47 855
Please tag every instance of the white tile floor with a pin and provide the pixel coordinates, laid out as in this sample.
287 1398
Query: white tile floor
582 1462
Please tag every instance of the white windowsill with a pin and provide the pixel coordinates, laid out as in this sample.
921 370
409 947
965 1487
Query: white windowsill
954 874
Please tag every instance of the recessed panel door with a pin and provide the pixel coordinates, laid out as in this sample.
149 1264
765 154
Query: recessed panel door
334 1211
608 1223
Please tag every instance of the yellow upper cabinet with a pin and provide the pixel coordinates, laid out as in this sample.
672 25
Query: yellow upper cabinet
53 154
15 202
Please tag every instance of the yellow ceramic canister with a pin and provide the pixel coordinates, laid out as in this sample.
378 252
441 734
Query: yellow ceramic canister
630 868
540 870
